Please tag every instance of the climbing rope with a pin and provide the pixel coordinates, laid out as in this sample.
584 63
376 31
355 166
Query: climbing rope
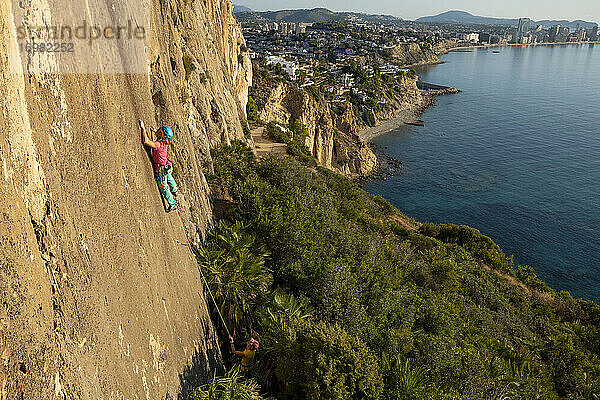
201 274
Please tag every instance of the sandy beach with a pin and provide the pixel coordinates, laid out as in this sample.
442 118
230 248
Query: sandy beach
387 125
402 117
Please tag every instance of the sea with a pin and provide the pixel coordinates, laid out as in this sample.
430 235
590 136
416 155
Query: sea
515 155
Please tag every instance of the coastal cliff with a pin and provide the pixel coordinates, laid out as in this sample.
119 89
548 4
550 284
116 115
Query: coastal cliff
99 298
332 136
413 54
334 127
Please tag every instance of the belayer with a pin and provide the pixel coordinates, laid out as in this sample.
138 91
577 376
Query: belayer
247 354
163 169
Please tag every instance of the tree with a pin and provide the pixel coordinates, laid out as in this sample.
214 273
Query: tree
301 76
252 110
299 130
234 266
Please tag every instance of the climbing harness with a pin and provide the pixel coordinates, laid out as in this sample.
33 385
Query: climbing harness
201 274
163 170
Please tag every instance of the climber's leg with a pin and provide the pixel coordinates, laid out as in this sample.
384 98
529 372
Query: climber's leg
163 186
171 182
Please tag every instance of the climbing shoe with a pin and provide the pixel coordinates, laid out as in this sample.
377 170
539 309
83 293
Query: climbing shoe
172 208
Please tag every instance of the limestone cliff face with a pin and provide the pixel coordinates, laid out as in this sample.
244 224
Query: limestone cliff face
98 298
402 95
334 129
333 136
412 54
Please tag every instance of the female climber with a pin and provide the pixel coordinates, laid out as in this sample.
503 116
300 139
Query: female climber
163 169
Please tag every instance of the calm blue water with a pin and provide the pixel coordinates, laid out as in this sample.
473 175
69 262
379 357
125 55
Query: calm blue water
516 155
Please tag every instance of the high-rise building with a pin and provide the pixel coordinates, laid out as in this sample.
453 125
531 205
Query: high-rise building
472 37
289 28
554 31
594 34
563 34
522 29
284 28
484 37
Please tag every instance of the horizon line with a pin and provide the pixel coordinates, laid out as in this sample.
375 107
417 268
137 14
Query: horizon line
414 20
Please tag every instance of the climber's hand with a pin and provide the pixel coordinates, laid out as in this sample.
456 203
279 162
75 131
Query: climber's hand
142 124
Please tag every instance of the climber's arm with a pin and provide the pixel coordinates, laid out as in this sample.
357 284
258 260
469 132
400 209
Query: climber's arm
233 350
147 142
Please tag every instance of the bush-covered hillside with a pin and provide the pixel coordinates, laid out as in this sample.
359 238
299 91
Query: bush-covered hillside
353 300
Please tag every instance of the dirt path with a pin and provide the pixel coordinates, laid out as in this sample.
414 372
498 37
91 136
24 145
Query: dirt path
263 146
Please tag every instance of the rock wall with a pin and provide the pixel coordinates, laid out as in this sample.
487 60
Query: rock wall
98 298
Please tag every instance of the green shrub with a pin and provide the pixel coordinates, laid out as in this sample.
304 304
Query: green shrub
471 240
252 110
246 130
324 362
570 366
230 163
296 147
300 130
232 386
351 284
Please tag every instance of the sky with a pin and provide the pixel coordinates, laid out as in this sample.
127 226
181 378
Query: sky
588 10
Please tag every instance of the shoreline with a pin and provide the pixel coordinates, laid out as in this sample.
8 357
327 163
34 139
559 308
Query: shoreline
388 166
485 46
413 113
402 118
386 126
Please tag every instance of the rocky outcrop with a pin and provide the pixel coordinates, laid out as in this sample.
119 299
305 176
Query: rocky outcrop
332 134
401 95
334 128
98 298
413 54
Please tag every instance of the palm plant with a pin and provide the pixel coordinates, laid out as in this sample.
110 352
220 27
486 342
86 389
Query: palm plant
234 266
228 387
407 380
283 309
278 320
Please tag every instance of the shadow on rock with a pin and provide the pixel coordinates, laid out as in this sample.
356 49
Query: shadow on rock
205 363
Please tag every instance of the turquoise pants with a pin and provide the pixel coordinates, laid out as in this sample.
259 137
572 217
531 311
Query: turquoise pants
167 186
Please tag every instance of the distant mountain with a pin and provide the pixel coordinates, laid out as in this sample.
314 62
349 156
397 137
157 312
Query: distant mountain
239 9
315 15
572 24
463 17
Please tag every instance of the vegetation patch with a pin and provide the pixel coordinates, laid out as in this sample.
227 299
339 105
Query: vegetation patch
351 301
188 65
